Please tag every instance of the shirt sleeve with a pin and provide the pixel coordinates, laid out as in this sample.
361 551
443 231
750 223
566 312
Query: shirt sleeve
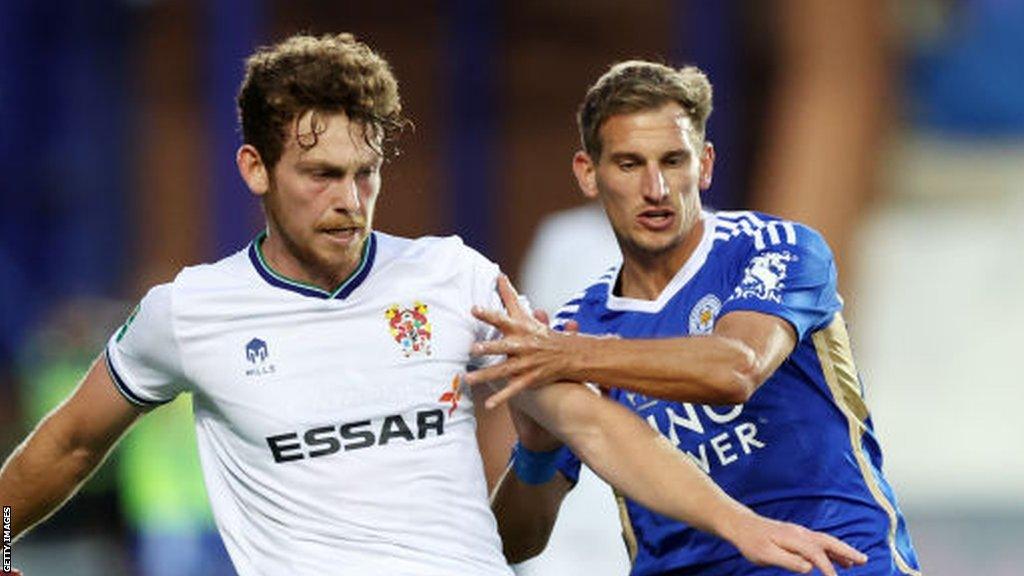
143 356
792 275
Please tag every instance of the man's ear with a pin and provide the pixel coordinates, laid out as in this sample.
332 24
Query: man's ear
253 170
586 175
707 165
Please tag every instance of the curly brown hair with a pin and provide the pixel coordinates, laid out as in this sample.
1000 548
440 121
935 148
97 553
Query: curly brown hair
330 73
636 85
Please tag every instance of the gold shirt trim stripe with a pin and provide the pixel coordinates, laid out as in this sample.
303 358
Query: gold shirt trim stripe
628 534
833 347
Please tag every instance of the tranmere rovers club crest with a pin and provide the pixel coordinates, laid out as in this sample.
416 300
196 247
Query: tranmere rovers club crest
410 328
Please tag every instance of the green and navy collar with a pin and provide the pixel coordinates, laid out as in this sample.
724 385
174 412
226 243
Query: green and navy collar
342 292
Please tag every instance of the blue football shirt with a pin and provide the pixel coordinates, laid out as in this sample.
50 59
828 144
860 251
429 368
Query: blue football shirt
802 449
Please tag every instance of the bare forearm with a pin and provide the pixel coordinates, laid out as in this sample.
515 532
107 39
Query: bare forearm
708 369
634 458
64 449
526 514
41 475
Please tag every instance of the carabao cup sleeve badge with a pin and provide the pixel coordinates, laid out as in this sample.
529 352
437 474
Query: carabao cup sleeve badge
410 328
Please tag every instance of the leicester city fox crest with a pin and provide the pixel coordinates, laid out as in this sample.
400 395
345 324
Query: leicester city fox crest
703 314
410 328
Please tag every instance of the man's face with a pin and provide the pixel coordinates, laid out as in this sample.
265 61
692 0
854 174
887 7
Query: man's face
652 168
321 199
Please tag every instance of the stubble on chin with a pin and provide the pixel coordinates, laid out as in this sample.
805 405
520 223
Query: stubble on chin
335 262
647 248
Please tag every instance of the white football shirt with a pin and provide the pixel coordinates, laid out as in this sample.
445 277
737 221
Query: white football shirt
333 436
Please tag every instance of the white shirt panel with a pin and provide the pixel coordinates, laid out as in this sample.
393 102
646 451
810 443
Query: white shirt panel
329 444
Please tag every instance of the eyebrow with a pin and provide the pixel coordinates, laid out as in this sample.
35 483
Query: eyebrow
319 165
679 152
316 164
626 155
618 156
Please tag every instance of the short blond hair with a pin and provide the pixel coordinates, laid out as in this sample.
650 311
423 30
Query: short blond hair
637 85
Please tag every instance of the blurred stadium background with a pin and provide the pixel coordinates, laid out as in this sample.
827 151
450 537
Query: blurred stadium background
897 127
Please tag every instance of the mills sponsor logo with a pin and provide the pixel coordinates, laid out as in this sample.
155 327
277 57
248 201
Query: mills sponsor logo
258 355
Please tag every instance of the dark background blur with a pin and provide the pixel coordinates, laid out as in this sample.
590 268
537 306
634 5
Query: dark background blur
895 127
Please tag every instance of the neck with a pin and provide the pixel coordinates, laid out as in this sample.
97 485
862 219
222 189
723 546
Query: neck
645 275
288 261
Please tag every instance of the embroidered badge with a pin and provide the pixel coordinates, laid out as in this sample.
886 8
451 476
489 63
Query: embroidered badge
703 314
763 277
410 328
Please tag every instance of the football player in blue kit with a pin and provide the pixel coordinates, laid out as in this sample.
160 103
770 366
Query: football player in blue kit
729 340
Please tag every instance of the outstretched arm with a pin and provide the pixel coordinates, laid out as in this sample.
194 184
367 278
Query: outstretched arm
725 367
525 530
633 457
64 449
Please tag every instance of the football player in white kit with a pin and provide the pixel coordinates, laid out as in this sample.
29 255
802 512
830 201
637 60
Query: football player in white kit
324 362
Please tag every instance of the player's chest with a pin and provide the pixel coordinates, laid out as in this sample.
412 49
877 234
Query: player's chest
378 354
717 436
692 311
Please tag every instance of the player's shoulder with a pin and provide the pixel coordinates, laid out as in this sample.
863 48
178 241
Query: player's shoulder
436 251
744 231
231 272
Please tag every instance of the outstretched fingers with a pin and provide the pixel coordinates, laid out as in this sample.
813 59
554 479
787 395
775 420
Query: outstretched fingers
541 316
775 555
841 552
510 298
812 555
496 318
504 370
819 549
514 318
514 386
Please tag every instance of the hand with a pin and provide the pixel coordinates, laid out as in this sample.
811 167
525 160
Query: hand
532 435
13 572
768 542
535 354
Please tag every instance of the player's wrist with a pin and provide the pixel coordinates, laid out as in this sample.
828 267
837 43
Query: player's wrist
733 522
576 349
535 468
